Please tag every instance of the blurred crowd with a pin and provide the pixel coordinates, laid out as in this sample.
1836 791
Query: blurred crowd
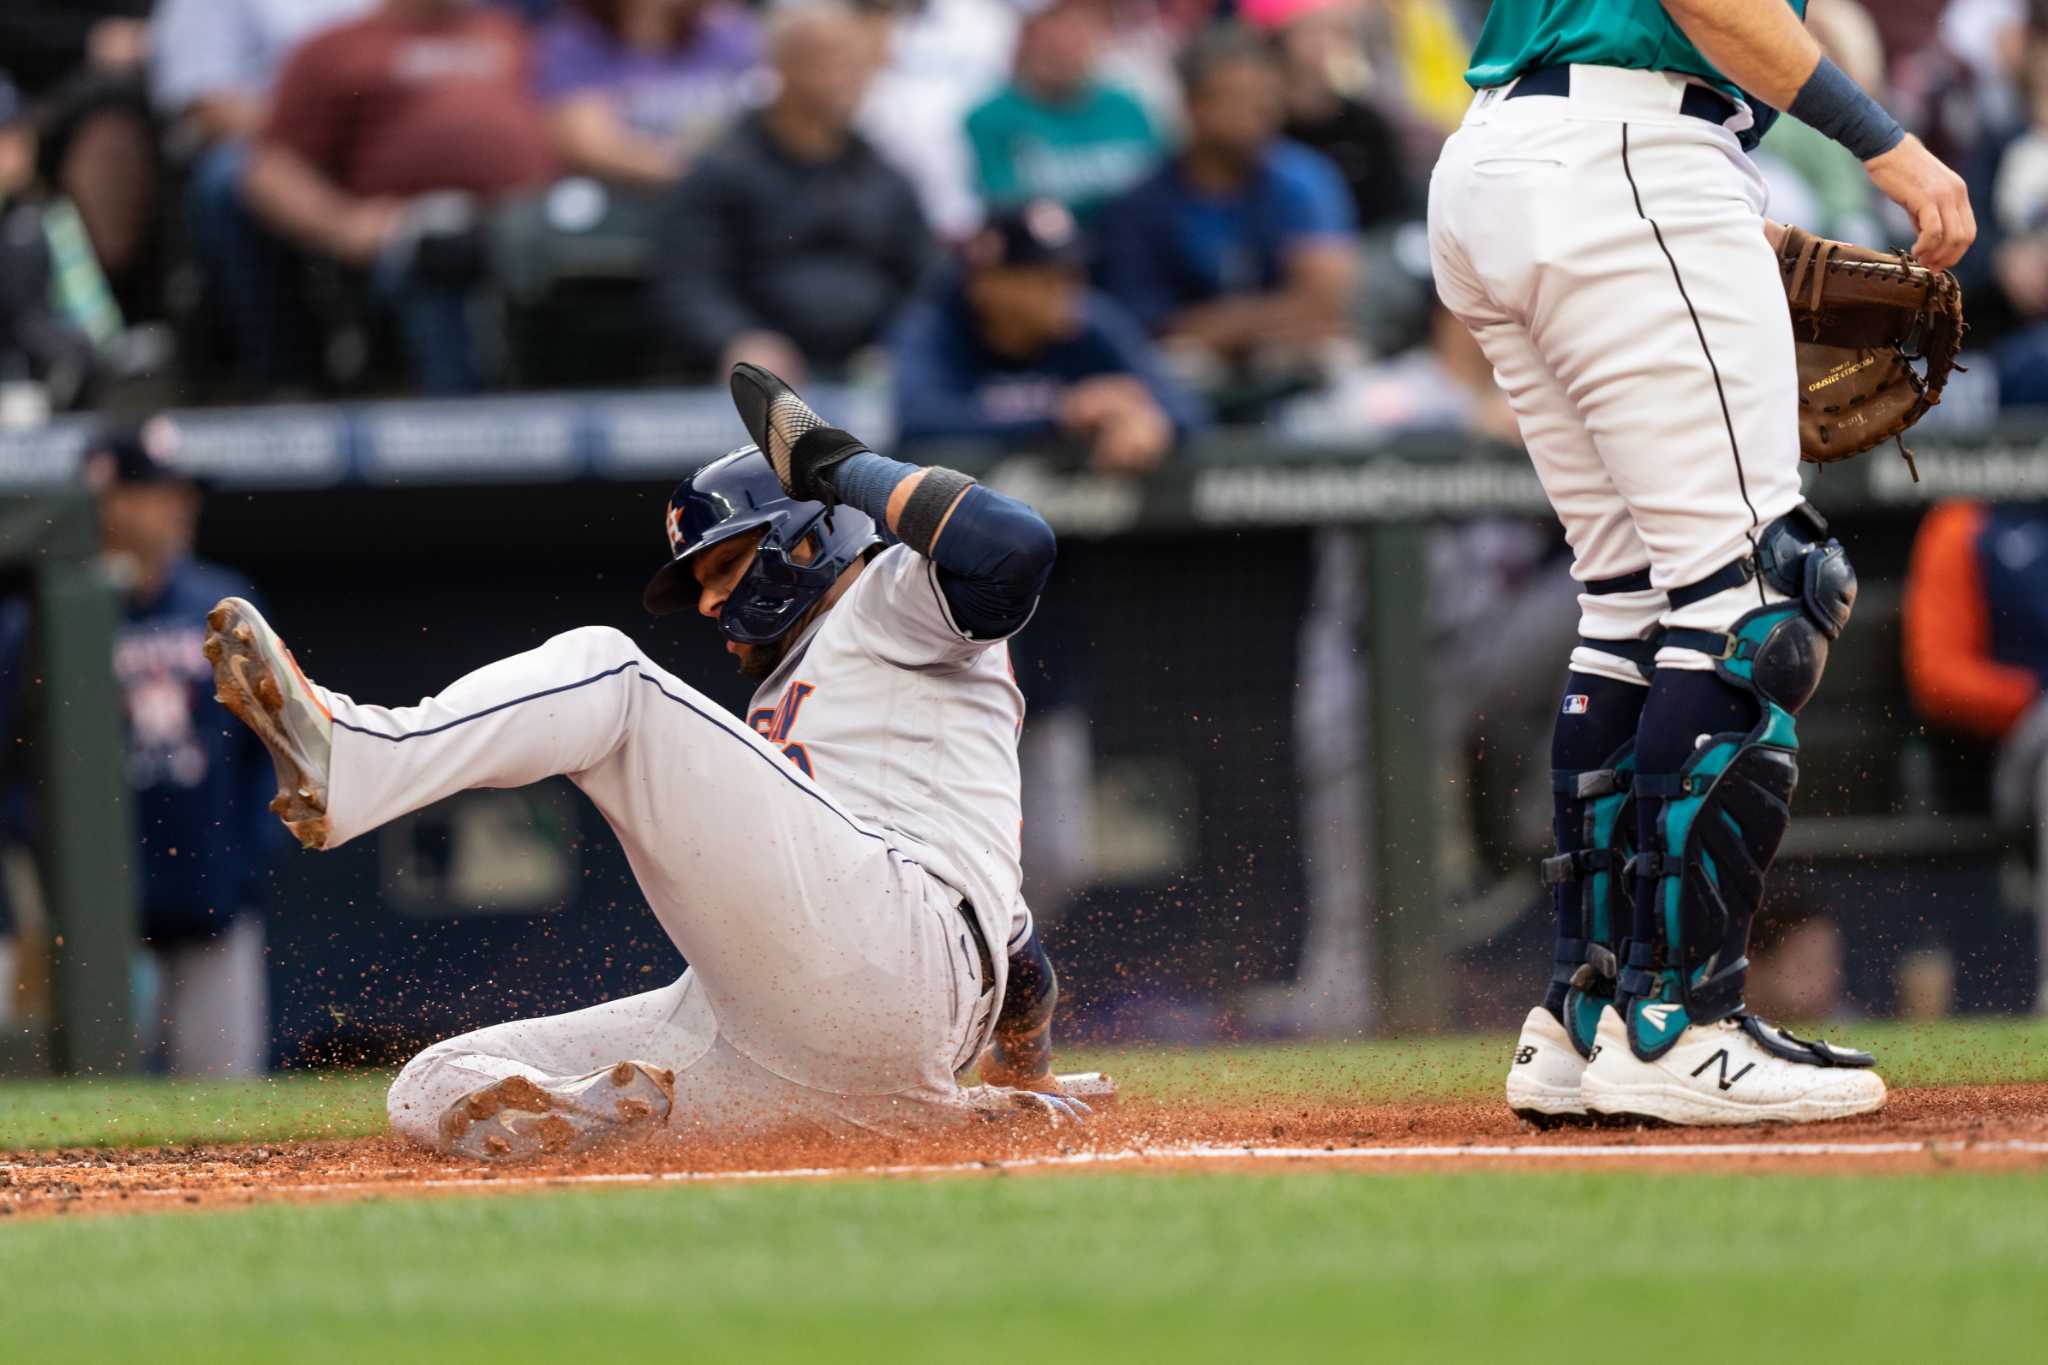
1110 221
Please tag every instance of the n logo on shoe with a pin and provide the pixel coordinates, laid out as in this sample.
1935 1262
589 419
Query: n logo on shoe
1524 1055
1726 1081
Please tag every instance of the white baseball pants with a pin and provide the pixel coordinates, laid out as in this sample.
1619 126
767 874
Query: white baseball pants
831 981
1607 252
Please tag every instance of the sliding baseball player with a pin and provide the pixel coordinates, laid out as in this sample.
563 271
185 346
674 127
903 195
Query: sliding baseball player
840 869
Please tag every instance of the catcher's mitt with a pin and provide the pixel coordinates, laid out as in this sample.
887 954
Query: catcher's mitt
1860 319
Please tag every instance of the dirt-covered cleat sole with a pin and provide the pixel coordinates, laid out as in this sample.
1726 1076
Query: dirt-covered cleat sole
257 679
1723 1074
519 1118
1543 1076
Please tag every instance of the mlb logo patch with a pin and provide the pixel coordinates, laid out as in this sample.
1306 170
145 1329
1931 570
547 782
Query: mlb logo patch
1576 704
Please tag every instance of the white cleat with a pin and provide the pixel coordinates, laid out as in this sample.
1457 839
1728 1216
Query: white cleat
517 1117
257 678
1723 1073
1543 1080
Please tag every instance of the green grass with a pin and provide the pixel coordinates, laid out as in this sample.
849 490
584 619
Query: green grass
1483 1266
129 1112
1315 1265
142 1112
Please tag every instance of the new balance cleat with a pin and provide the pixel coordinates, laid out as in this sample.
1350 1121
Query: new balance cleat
1543 1079
257 678
1739 1070
517 1117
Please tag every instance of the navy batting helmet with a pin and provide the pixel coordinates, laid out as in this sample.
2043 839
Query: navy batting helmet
732 496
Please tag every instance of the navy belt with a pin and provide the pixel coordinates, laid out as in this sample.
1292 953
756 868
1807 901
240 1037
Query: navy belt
1698 101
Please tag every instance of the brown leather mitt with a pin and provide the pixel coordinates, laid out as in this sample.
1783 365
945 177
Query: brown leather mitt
1860 321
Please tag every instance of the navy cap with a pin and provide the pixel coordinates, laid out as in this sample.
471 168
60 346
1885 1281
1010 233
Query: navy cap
1036 232
137 453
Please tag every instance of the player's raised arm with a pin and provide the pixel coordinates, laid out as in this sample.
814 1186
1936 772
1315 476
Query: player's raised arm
1763 47
994 553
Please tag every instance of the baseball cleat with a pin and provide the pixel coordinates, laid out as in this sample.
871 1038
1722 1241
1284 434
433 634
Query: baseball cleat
1739 1070
1543 1079
517 1117
257 678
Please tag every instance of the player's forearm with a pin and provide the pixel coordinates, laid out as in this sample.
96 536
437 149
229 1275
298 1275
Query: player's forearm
995 553
1764 48
1021 1044
299 202
1759 44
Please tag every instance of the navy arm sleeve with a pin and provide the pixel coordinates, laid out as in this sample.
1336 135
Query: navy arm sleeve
994 555
1034 987
994 558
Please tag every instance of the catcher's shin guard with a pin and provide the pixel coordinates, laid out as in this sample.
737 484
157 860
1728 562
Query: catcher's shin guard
1604 801
1725 811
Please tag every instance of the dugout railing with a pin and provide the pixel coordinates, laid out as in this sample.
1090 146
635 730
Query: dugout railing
49 549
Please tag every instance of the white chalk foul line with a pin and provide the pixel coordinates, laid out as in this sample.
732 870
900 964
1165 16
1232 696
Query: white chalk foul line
1199 1152
1193 1152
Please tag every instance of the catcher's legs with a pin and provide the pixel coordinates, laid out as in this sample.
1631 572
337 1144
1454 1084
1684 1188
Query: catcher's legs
1644 305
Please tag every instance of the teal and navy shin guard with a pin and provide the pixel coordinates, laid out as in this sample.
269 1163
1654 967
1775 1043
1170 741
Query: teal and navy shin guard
1592 782
1717 825
1593 875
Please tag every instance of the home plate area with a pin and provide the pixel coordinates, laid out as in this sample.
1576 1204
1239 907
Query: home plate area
1926 1130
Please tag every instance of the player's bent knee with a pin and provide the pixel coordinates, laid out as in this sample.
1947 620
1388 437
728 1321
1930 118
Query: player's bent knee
1778 650
1618 623
409 1104
604 647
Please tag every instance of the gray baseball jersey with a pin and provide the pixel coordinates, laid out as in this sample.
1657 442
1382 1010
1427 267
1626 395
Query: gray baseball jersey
911 726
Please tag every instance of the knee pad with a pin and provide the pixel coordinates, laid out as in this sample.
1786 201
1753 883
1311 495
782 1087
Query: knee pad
1589 966
1780 650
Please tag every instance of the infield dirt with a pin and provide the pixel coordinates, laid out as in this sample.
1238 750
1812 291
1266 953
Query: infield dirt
1924 1130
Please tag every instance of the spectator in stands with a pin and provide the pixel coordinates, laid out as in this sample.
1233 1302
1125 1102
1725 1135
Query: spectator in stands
1239 252
636 88
1976 616
2019 205
214 63
1976 641
79 64
201 791
939 58
387 137
1322 52
1016 347
55 307
1057 131
791 243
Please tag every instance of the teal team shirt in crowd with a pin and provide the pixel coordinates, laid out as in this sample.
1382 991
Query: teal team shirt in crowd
1521 35
1083 152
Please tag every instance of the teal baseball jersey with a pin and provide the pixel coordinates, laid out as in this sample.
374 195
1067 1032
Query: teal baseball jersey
1638 35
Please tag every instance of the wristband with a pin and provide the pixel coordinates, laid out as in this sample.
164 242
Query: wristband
1833 104
866 480
933 497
